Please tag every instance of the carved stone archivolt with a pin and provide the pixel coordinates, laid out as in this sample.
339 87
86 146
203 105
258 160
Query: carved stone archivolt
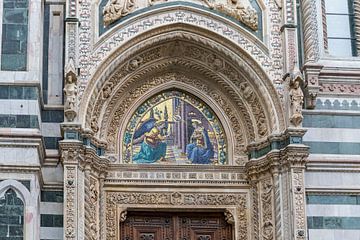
233 83
234 205
129 31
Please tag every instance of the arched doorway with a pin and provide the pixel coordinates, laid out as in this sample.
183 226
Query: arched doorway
257 156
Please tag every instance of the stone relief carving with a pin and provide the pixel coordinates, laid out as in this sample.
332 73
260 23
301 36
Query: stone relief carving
299 198
267 212
241 10
92 208
70 196
121 199
229 216
89 62
116 9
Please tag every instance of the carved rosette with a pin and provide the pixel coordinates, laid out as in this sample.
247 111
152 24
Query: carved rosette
117 202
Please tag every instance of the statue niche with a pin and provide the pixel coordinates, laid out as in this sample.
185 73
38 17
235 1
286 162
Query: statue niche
174 128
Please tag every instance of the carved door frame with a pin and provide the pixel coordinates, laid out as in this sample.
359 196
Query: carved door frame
233 205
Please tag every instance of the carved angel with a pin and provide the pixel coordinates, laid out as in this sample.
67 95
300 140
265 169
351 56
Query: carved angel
115 9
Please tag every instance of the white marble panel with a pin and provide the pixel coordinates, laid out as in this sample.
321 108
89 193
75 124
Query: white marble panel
19 106
53 174
51 233
332 135
50 129
332 180
330 234
19 156
51 208
55 59
333 210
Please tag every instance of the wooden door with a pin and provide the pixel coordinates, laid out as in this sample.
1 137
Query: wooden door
175 226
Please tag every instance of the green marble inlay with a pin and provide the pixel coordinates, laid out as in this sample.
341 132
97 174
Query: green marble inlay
14 35
334 147
51 220
331 121
52 196
18 92
333 199
52 142
319 222
18 121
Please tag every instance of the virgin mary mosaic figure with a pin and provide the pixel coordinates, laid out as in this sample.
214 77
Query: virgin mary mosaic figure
200 149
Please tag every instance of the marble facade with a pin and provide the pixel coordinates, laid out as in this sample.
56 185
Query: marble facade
288 112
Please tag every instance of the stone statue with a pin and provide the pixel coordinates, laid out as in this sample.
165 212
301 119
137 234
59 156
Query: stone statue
115 9
296 100
70 91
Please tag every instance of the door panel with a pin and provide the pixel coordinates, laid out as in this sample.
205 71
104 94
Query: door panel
175 226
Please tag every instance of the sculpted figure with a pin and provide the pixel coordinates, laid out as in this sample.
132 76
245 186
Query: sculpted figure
200 149
115 9
241 10
296 101
70 91
153 145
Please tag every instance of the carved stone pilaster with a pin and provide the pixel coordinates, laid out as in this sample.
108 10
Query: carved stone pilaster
267 226
294 159
310 30
279 179
357 25
71 56
70 154
83 169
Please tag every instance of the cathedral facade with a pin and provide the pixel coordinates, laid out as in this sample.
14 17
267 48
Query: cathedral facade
169 120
